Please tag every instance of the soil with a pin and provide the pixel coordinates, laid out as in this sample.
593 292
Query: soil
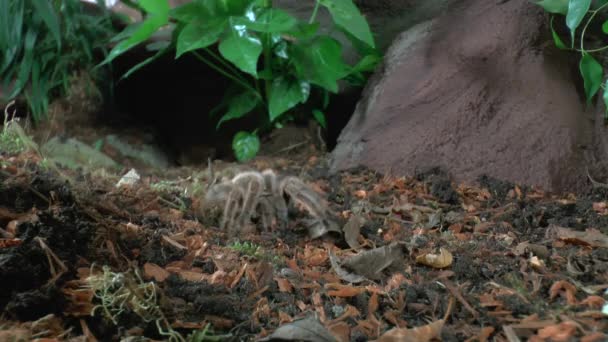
509 271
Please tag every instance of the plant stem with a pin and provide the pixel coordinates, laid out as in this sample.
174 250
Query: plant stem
267 38
313 16
268 63
227 74
224 64
593 13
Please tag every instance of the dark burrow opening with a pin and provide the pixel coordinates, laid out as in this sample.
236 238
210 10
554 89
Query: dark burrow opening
171 99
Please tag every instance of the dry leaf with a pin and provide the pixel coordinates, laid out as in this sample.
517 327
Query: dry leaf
351 230
563 287
419 334
340 330
339 290
559 332
441 260
590 237
308 330
369 264
5 243
153 271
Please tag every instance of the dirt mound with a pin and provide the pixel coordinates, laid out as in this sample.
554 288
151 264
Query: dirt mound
480 90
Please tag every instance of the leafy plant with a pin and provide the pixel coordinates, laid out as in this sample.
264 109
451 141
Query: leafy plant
273 59
584 12
42 43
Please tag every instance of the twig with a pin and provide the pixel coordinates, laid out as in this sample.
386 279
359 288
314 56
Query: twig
595 183
52 257
456 293
291 147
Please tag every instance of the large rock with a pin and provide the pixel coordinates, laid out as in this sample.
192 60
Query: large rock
479 90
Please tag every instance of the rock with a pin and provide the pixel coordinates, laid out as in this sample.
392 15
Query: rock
479 90
73 154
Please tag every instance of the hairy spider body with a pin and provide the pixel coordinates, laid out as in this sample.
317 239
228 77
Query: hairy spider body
262 195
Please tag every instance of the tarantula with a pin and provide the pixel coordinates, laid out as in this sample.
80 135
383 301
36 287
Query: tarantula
253 194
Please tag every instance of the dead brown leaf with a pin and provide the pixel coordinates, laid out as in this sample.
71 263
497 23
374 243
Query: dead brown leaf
351 230
559 332
420 334
369 264
153 271
594 302
590 237
564 289
339 290
5 243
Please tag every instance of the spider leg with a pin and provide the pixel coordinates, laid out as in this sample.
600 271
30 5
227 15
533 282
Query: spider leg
275 195
267 214
231 210
300 193
253 185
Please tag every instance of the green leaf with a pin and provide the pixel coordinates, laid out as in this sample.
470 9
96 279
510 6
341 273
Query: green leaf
158 16
576 12
245 145
554 6
556 39
367 64
319 61
605 97
198 35
204 10
27 63
268 20
45 10
592 73
347 16
320 117
145 62
285 93
239 106
303 31
605 27
242 49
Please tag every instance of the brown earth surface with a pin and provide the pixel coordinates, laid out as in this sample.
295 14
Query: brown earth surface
492 262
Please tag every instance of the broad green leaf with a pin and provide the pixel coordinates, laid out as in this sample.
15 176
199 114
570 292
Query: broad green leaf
576 12
203 10
367 63
269 20
197 35
158 16
605 27
239 106
242 49
554 6
303 31
245 145
592 73
45 10
285 93
556 39
320 117
605 98
347 16
320 62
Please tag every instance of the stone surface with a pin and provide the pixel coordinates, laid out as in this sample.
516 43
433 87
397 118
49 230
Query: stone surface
74 154
479 90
